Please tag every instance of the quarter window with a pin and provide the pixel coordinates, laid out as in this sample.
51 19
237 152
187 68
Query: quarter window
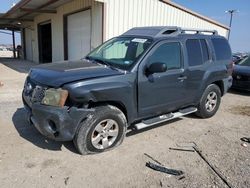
168 53
222 49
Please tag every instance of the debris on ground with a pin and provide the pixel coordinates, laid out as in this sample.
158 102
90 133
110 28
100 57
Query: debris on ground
66 180
199 152
179 149
182 177
1 84
164 169
245 139
161 168
244 145
153 159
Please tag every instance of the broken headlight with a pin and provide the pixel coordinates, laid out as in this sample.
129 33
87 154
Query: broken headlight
55 97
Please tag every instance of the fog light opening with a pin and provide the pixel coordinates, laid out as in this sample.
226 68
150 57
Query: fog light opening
52 126
56 134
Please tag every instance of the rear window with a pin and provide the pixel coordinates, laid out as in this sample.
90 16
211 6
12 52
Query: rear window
222 49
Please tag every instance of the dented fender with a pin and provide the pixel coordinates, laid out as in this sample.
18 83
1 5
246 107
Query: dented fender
117 89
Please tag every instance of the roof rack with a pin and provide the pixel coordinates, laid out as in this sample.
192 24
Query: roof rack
179 30
199 31
160 31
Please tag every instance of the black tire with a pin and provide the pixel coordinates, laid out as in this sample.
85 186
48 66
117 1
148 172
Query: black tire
84 135
203 111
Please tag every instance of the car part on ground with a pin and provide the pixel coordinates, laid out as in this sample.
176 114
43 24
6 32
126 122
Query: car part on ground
245 139
160 167
164 169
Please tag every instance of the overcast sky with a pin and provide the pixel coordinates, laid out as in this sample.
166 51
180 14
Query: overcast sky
215 9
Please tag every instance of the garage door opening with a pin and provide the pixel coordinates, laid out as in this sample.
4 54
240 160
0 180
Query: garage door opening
77 33
45 42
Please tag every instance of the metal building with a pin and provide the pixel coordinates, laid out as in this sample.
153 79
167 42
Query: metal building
56 30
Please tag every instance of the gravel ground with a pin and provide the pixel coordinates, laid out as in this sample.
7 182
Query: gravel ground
27 159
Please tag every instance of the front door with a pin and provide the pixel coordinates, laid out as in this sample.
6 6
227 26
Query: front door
162 92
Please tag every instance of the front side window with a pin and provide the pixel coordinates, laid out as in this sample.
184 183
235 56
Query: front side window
121 52
168 53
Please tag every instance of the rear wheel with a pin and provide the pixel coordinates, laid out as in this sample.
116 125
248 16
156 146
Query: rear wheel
102 131
210 102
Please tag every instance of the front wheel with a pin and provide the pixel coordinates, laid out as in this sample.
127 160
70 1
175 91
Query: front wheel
103 130
210 102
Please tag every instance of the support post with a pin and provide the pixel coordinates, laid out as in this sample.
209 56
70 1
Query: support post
14 44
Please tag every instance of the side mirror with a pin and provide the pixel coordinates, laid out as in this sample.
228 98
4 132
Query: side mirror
156 68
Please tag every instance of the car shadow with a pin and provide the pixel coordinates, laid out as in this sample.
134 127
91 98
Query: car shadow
239 92
29 133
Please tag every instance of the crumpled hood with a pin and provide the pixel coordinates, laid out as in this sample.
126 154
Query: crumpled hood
59 73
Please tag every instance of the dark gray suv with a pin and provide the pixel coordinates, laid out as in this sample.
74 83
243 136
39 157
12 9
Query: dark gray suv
146 76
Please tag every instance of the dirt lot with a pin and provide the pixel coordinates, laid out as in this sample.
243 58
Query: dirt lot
6 54
27 159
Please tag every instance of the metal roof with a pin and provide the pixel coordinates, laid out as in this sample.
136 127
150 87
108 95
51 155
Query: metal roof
26 10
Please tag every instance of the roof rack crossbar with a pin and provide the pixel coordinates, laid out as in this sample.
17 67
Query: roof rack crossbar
179 30
199 31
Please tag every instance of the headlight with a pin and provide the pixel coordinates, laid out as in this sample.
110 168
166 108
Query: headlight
55 97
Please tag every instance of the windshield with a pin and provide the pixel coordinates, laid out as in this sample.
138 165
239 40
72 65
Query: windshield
121 52
245 62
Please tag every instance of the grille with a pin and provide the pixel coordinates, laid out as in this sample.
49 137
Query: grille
37 94
34 91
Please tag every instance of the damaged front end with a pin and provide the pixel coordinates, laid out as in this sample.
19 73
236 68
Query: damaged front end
48 113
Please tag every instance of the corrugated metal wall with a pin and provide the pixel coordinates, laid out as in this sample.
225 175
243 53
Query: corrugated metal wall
125 14
57 27
120 16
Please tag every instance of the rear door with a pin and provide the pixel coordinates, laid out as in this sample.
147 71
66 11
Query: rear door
162 92
199 61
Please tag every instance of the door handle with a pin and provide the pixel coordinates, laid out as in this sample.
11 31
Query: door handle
182 78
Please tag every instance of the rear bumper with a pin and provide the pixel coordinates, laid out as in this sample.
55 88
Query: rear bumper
227 82
56 123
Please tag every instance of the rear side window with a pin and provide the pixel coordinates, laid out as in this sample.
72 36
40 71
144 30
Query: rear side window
194 52
204 48
197 51
222 49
